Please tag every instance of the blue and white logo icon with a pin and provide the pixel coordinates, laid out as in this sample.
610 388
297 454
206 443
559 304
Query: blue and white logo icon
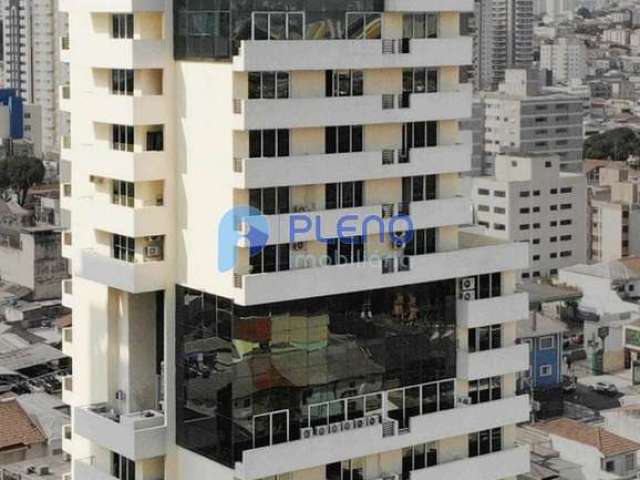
240 222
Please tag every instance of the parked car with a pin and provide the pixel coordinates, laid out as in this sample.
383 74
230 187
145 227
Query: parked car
605 388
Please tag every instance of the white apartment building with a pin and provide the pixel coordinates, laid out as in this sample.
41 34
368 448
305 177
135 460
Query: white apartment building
614 216
314 357
30 45
529 200
566 58
503 39
619 35
522 117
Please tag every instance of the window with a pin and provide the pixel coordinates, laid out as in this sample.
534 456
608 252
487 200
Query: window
485 338
553 208
268 143
524 194
553 239
485 390
524 227
553 255
344 139
629 461
268 85
499 226
524 210
535 274
361 25
417 457
499 193
122 25
278 26
483 208
419 135
419 25
553 223
124 248
565 206
123 193
121 82
122 468
536 225
270 201
483 191
546 370
419 80
536 193
566 222
540 108
484 442
422 242
536 209
535 258
566 190
565 238
553 191
419 188
610 466
499 210
122 138
547 164
344 83
344 195
345 250
566 253
536 241
546 343
271 258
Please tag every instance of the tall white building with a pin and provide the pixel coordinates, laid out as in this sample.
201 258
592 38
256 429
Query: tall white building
530 200
566 58
30 46
521 117
503 39
312 355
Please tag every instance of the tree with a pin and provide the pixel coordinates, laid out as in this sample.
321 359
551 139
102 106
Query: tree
615 144
19 174
584 12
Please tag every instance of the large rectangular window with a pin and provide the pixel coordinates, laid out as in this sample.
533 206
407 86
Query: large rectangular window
122 137
123 193
345 139
420 25
485 338
485 389
420 80
278 26
122 82
270 201
485 441
271 258
122 468
269 143
344 195
419 188
268 85
124 248
122 25
348 250
422 242
419 135
344 83
418 457
363 25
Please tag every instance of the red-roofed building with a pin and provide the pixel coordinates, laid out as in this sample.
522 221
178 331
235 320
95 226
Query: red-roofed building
21 438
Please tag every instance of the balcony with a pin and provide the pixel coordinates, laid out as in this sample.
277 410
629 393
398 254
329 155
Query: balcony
352 54
321 450
65 49
128 109
65 96
504 464
67 341
100 52
129 277
490 363
434 6
129 221
126 166
67 443
67 390
67 293
137 436
367 109
343 167
477 259
489 311
108 6
87 469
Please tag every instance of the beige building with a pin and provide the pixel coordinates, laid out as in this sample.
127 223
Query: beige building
204 348
566 58
530 200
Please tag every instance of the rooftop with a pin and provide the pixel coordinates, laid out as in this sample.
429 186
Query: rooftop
30 356
49 412
607 443
16 427
538 325
546 292
623 269
58 465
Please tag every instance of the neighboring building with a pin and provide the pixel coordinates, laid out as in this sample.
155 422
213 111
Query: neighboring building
11 115
30 253
530 200
623 421
50 414
30 45
302 359
566 58
619 35
601 454
20 437
475 125
503 39
521 117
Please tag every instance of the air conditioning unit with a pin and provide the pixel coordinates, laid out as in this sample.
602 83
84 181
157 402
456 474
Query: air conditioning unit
468 283
464 400
347 425
335 427
322 430
359 422
372 420
298 245
152 251
44 470
120 395
468 296
306 433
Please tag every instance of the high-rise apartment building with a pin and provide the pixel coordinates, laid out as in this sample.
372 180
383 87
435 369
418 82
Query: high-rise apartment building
503 39
30 44
530 200
312 355
521 117
565 58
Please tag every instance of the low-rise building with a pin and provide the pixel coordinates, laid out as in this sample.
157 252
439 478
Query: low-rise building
20 437
530 200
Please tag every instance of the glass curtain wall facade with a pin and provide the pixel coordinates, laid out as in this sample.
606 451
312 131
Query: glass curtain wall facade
249 377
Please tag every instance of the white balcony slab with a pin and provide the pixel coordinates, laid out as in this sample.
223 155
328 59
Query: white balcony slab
504 464
354 54
113 6
129 277
316 451
67 341
131 222
342 167
490 363
106 52
325 223
67 293
490 311
126 166
128 110
134 437
432 6
367 109
85 470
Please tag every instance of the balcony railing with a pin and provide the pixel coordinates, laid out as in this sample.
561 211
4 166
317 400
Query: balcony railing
64 43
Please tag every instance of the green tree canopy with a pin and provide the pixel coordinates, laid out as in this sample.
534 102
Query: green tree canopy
615 144
19 174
